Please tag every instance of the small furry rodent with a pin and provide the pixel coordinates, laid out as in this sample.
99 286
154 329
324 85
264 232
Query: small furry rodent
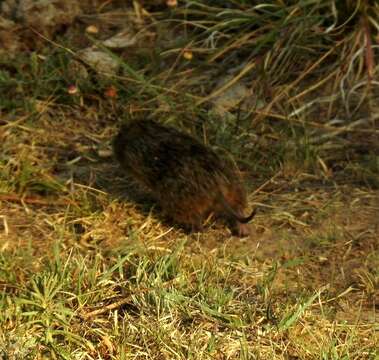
188 179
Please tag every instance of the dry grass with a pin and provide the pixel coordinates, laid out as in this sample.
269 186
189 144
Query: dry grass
89 269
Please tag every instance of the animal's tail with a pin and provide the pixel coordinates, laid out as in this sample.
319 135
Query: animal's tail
230 211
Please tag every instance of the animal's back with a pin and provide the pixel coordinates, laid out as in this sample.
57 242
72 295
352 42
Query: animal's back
162 156
186 177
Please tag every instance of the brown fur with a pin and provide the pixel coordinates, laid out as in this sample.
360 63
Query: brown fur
188 179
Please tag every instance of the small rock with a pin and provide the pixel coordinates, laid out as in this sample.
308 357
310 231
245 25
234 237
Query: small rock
99 60
46 16
121 40
231 97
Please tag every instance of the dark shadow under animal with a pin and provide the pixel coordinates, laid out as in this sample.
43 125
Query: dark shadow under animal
188 179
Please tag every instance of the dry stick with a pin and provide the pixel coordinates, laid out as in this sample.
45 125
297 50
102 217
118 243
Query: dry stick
10 123
235 44
314 124
157 87
260 188
35 200
370 62
110 307
123 301
53 42
5 224
266 183
345 292
312 88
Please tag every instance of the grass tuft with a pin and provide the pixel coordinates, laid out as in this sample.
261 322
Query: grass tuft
88 267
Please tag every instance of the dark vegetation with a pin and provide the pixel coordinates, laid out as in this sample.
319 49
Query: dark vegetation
288 89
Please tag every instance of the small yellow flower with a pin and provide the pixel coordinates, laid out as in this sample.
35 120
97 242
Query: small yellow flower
188 55
92 29
172 3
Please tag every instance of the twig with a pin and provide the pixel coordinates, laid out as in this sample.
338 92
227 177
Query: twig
53 42
126 300
109 307
314 124
266 183
35 200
